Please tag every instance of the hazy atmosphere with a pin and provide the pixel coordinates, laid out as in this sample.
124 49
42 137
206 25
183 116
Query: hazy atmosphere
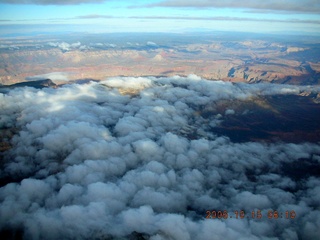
165 16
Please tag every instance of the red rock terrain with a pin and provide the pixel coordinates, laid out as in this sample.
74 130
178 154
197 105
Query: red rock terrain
236 61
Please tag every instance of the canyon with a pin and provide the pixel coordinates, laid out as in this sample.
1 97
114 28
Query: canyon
242 59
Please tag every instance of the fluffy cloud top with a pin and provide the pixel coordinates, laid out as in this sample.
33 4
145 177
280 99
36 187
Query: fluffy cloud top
88 162
54 76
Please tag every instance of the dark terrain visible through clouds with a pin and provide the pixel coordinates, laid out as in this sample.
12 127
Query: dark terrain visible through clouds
288 118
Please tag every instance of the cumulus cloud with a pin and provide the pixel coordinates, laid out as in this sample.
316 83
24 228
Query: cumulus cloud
87 161
65 46
54 76
229 112
152 44
128 82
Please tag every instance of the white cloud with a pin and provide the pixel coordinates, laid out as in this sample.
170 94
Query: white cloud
65 46
133 83
283 6
152 44
54 76
229 112
51 2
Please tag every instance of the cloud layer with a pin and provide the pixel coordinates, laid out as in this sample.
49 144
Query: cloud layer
54 76
51 2
311 6
239 19
306 6
89 162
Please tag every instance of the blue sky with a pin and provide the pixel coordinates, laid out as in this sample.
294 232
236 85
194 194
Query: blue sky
167 15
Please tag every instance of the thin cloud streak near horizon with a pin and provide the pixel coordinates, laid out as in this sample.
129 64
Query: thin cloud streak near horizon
52 2
294 6
308 6
98 16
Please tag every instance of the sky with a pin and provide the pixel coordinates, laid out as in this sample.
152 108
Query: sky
166 15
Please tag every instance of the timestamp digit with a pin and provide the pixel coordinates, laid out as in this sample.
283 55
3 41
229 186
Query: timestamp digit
292 214
225 214
259 215
208 214
214 214
242 214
